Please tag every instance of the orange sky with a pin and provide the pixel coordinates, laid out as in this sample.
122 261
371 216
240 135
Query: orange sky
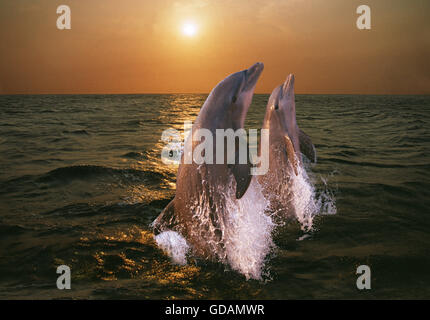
136 46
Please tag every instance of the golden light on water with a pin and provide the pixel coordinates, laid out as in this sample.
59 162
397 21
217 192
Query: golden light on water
189 29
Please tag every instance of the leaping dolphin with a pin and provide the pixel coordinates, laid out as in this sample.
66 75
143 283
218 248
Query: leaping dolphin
286 142
197 211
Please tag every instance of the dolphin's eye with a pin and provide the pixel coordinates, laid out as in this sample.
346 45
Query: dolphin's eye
276 106
234 99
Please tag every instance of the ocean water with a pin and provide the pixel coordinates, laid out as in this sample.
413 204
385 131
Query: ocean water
81 179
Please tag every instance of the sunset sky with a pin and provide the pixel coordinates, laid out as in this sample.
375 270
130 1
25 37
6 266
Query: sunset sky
163 46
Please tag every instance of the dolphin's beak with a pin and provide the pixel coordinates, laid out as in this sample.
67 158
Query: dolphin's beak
249 78
288 87
252 74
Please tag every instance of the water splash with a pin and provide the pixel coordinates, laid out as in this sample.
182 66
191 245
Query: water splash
248 238
174 245
307 200
246 232
247 228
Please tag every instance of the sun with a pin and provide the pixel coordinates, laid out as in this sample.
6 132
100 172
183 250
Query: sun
189 29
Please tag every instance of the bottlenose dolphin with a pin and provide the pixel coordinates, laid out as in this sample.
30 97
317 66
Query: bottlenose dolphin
197 211
286 144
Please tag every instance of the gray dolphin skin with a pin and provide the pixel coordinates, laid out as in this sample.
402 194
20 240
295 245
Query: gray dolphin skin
286 144
197 211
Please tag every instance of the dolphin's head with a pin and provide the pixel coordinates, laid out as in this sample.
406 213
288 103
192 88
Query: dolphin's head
233 95
281 112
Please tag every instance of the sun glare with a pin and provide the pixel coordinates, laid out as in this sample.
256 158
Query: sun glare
189 29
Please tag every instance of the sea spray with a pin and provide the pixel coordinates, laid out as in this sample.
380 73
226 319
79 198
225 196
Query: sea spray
247 227
248 235
309 202
174 245
246 239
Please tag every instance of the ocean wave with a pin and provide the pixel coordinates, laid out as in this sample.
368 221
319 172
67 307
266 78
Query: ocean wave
374 164
135 155
77 132
85 172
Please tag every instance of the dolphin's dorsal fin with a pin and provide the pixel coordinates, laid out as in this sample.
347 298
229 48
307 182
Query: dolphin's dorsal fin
166 220
291 154
307 147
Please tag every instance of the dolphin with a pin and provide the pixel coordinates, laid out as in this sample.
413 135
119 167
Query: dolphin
286 144
198 209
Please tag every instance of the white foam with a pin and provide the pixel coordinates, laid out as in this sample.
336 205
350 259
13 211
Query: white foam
307 202
247 237
174 245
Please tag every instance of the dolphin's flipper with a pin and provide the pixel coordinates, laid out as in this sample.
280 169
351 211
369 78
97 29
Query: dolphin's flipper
291 154
242 175
166 219
307 147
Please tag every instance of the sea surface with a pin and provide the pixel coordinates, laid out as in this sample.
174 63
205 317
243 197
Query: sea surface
81 179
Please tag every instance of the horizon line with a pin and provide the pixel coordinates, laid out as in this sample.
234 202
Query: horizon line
206 93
